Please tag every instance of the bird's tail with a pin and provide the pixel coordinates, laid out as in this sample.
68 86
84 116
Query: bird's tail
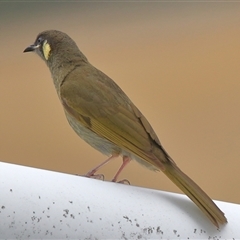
195 193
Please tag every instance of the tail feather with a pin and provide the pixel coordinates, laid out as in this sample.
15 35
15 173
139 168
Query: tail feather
196 194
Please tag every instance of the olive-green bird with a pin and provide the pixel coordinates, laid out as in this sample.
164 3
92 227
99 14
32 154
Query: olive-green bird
102 114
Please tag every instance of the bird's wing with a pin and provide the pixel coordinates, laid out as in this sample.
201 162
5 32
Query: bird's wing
101 106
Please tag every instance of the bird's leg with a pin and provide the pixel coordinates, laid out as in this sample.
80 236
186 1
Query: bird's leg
91 173
126 160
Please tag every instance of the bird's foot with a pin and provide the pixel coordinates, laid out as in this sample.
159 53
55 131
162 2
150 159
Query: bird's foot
95 176
124 181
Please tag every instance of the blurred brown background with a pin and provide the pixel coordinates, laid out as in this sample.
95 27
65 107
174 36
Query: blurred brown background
178 62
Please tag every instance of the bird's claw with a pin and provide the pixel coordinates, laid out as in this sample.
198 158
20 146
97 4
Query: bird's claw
124 181
97 176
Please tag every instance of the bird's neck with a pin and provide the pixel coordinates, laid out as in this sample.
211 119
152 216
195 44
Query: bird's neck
61 69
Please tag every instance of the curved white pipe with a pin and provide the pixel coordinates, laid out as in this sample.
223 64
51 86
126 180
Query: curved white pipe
36 203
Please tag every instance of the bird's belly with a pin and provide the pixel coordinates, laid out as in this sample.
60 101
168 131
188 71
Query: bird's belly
99 143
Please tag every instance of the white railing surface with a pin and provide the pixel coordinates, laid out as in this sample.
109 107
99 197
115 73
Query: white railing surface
41 204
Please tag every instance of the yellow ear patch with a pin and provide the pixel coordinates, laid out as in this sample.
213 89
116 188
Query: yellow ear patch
46 49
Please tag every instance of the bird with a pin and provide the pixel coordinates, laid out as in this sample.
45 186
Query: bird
102 115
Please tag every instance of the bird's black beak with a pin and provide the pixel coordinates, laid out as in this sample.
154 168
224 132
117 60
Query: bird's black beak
31 48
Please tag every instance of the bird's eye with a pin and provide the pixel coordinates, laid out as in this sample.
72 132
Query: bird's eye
39 40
